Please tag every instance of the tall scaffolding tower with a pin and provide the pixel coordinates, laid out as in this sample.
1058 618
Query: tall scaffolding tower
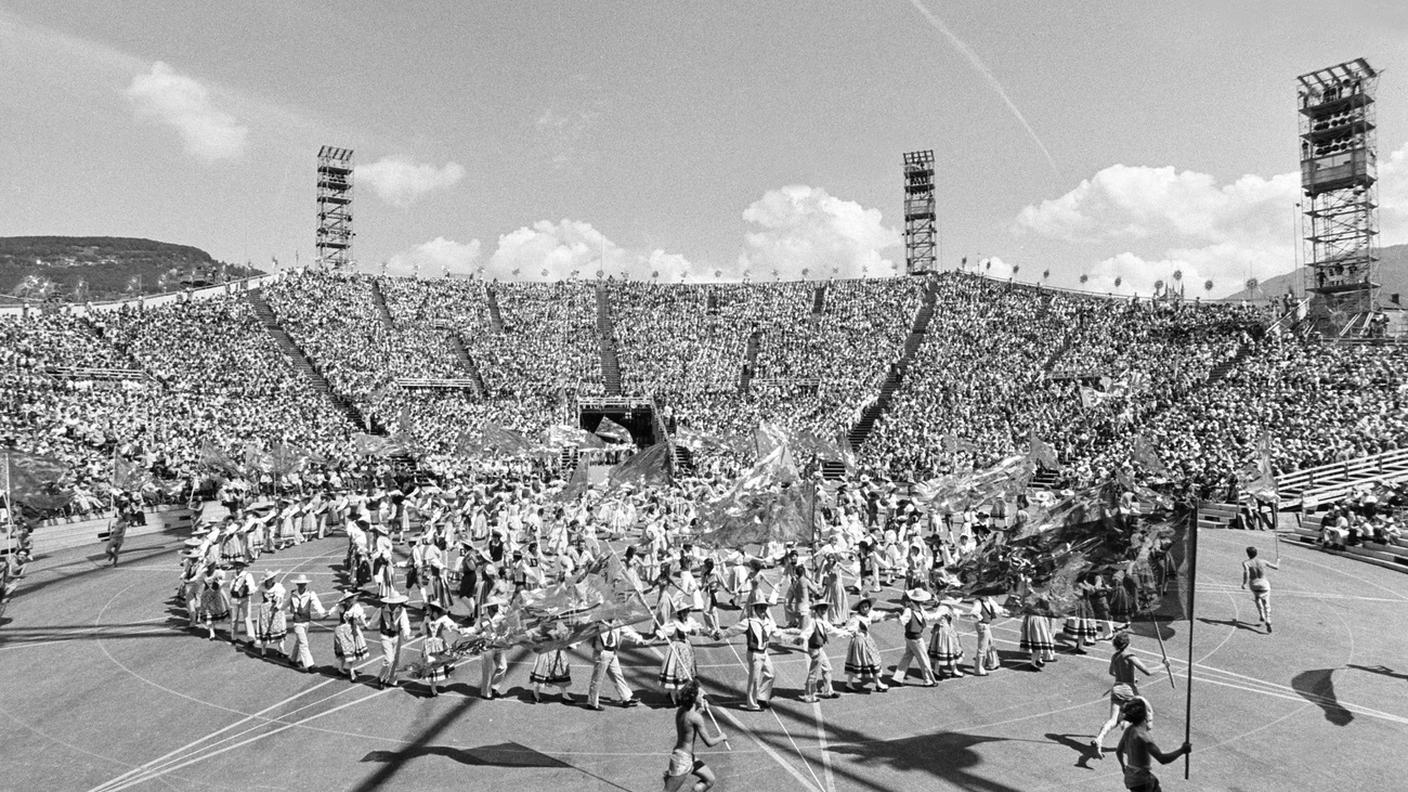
334 207
921 236
1338 177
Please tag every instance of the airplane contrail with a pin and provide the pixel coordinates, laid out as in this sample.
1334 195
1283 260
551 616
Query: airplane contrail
982 68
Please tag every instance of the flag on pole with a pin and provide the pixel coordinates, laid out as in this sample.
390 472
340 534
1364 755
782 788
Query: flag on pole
613 432
36 480
1042 453
1143 453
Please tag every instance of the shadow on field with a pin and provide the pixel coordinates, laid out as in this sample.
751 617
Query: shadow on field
1381 670
1318 687
501 755
946 755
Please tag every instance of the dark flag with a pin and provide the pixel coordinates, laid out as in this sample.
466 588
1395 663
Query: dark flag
36 481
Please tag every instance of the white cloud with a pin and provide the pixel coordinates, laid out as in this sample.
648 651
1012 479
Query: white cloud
805 228
437 257
184 104
1182 221
401 181
1393 197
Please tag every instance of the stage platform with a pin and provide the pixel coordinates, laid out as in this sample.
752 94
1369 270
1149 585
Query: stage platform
104 688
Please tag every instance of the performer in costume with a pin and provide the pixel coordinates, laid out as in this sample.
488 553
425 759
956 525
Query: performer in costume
215 600
550 669
436 624
273 624
1254 577
242 610
394 627
1137 747
678 667
817 631
1036 639
493 663
689 727
759 630
863 656
944 647
349 640
985 612
606 664
1123 664
305 606
914 620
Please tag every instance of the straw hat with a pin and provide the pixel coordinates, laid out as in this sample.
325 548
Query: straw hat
269 575
395 598
301 580
918 595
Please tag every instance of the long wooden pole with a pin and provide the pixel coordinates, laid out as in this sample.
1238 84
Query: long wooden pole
1192 600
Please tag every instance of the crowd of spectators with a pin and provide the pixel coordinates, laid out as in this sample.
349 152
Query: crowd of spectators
999 364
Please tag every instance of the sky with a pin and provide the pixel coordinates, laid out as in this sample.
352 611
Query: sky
691 141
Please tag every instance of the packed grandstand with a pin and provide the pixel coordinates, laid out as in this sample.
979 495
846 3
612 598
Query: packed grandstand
922 374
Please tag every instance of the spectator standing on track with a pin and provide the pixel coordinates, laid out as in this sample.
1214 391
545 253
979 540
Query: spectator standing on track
1254 577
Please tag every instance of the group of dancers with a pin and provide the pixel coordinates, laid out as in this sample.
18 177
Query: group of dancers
470 556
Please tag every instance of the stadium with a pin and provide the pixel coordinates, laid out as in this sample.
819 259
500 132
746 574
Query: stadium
842 530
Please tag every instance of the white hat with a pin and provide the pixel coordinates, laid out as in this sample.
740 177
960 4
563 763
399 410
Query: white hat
918 595
395 598
301 580
269 575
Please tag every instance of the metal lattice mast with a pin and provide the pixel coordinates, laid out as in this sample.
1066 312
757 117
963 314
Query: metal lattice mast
1338 177
334 207
921 236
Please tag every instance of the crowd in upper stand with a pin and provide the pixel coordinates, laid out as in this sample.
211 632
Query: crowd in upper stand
999 363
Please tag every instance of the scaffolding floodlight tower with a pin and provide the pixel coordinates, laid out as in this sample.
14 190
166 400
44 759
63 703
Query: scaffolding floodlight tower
921 237
334 207
1338 178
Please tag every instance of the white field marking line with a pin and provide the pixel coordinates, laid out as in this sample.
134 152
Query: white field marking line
1399 594
780 724
211 754
144 771
767 749
1231 629
179 694
1250 684
1313 594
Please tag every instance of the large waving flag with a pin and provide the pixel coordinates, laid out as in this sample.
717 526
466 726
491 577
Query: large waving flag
648 468
128 476
216 459
1042 453
611 431
563 436
36 480
1258 478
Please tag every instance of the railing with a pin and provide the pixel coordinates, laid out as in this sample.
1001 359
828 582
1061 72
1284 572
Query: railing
449 384
77 372
1320 481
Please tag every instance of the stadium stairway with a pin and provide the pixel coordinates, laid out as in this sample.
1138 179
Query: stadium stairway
819 299
381 308
301 362
496 319
1221 369
467 360
606 334
750 361
860 432
1057 355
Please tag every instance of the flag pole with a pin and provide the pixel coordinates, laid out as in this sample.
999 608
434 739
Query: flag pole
1159 632
1192 602
9 516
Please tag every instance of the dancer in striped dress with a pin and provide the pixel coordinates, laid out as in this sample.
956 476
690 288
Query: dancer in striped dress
678 667
272 622
1036 639
944 647
349 640
863 656
437 623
